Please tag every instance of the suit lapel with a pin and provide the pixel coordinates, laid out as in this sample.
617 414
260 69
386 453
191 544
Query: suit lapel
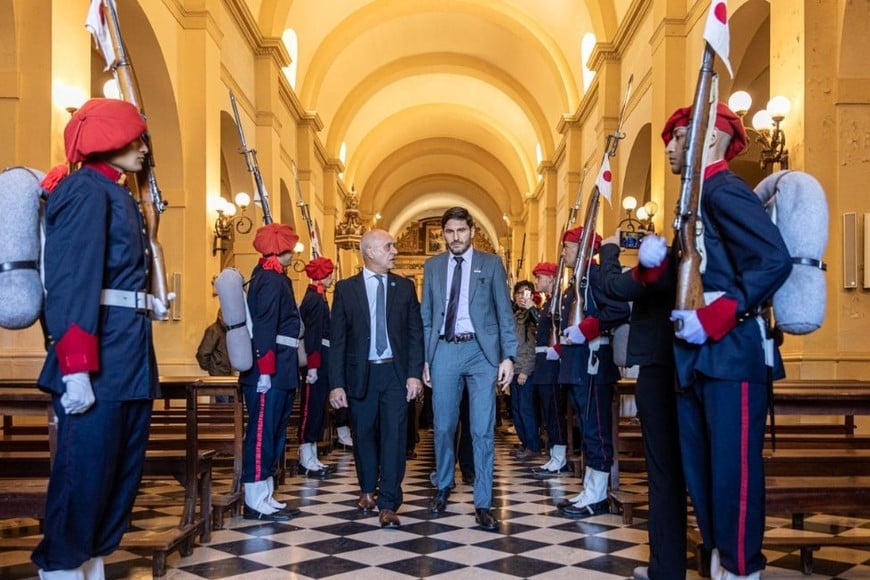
359 286
476 272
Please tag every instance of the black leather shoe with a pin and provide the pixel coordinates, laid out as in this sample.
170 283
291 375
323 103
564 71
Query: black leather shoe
468 478
438 505
252 514
314 473
290 511
485 519
593 509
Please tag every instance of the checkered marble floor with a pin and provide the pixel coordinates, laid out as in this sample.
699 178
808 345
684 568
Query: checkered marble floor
332 539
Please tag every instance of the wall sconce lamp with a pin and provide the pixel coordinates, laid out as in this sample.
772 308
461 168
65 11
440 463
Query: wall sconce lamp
643 215
227 221
298 264
766 124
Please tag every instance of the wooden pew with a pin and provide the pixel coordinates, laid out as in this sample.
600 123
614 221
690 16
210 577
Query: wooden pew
189 466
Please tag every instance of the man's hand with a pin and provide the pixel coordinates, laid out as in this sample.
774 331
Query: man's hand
652 251
159 310
311 377
552 353
505 372
522 378
79 395
690 328
337 398
414 388
574 335
264 383
427 379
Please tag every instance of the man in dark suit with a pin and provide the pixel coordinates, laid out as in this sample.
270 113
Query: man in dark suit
470 338
375 365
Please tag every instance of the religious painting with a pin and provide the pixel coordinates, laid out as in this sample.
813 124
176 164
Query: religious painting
434 241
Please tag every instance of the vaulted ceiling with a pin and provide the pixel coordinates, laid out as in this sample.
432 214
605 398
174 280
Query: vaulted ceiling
434 101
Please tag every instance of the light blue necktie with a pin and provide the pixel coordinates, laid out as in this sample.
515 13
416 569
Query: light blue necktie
380 317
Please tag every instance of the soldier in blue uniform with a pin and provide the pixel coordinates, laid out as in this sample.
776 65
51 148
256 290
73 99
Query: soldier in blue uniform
270 386
100 369
315 316
724 355
546 375
588 367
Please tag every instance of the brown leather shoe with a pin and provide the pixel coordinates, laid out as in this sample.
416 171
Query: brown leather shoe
388 519
366 503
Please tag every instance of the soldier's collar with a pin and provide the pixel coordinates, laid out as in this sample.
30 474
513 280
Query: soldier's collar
107 170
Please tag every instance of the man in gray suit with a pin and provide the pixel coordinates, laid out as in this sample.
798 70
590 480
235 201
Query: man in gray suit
469 335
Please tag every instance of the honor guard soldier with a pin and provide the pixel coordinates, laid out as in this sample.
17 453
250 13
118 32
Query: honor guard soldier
724 356
546 375
100 369
315 317
587 366
270 386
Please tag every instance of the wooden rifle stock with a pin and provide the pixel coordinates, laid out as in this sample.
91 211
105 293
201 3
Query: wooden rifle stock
306 214
556 302
150 198
690 288
253 165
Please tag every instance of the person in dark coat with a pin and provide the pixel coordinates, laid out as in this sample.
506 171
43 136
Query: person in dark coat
725 357
312 409
269 387
100 370
376 367
650 345
522 386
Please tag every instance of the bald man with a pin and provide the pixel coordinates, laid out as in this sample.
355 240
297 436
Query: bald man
376 365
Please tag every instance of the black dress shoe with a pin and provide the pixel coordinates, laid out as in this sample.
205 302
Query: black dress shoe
252 514
290 511
314 473
388 519
593 509
438 505
468 478
485 519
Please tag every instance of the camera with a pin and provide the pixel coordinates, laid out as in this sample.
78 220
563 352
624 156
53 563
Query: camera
527 294
631 240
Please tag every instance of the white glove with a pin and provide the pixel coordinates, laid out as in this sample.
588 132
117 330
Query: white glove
614 239
691 330
159 310
652 252
79 395
312 376
552 353
573 334
264 383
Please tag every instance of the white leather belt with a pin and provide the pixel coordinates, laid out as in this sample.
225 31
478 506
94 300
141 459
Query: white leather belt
287 341
541 349
324 342
601 340
127 299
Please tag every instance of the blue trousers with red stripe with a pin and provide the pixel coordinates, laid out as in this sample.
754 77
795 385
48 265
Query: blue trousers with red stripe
312 410
592 412
722 426
266 433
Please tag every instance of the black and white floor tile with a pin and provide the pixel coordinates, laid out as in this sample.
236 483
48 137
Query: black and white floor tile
331 539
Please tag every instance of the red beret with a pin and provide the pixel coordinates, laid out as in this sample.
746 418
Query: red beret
101 126
275 239
727 121
544 269
575 234
319 268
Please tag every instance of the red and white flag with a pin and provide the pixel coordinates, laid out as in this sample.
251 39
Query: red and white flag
95 23
716 31
604 181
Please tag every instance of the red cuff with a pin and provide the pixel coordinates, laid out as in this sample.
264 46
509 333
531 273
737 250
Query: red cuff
719 317
558 348
649 275
314 360
590 327
77 351
266 363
